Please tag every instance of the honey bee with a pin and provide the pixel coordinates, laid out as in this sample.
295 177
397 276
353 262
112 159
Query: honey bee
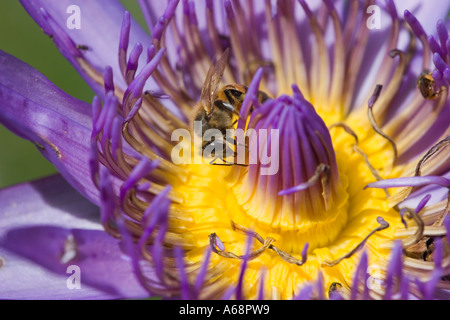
427 86
220 108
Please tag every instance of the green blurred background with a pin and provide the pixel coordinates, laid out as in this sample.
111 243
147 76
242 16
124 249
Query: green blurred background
20 36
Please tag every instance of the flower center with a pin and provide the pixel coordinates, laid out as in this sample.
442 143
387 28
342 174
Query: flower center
304 191
293 190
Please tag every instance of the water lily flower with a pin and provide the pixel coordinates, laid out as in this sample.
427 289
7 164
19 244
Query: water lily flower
347 200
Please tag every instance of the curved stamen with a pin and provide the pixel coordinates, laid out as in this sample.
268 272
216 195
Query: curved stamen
412 214
374 124
267 244
432 153
358 150
383 225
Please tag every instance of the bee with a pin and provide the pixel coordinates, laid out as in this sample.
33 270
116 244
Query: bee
219 108
427 86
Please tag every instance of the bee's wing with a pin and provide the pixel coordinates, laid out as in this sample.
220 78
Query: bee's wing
212 81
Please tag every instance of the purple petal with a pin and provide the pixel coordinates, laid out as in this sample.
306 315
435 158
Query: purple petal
24 209
59 125
99 31
94 252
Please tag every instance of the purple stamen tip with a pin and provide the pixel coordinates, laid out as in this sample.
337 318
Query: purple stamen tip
447 46
305 293
135 53
202 273
442 34
108 79
305 252
300 187
143 168
151 51
447 75
416 181
394 269
134 110
319 286
106 196
390 5
170 10
125 31
438 253
439 63
96 109
375 95
414 24
184 284
435 47
423 203
138 87
361 272
159 28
